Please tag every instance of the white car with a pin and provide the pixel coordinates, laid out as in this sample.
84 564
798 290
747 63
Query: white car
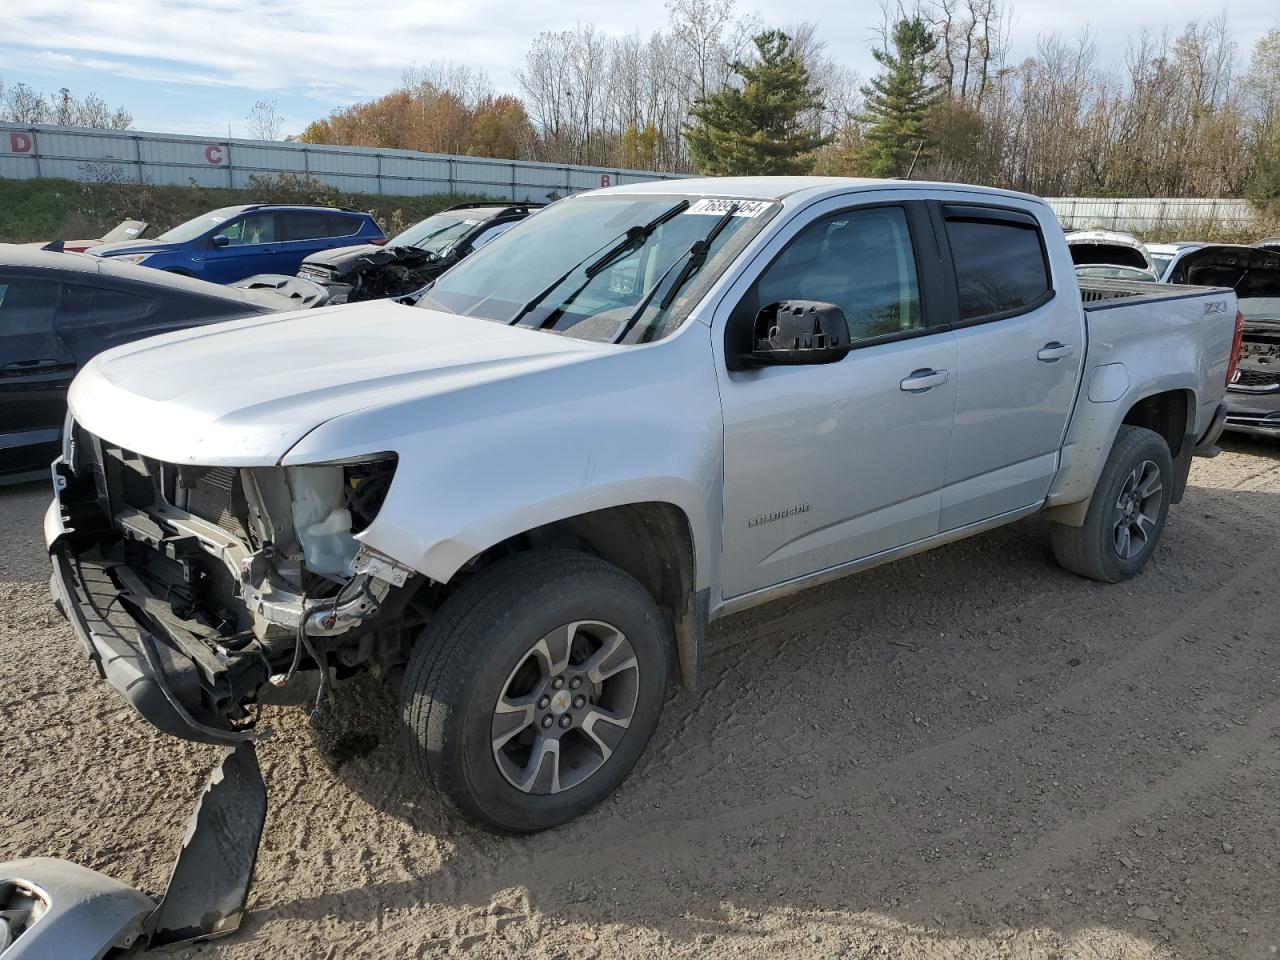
1166 255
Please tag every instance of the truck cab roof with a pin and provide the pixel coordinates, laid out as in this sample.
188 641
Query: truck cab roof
796 188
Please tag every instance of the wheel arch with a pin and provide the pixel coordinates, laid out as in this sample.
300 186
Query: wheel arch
654 542
1168 410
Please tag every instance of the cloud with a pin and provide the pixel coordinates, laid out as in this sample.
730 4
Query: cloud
335 52
329 46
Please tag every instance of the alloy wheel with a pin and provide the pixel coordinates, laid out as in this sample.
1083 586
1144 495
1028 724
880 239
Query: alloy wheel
565 707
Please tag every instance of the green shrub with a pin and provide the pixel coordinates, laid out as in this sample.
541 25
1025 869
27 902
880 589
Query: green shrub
49 209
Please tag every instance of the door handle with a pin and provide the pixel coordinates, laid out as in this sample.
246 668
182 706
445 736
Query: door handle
1053 351
19 367
926 378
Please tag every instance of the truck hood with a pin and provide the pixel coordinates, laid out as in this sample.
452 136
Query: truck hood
242 393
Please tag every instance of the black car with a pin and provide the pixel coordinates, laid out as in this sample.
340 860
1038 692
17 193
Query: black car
57 310
1253 395
412 259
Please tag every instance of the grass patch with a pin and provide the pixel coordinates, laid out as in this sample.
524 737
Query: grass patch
48 209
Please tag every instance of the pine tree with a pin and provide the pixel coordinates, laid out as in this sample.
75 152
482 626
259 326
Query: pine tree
899 100
757 129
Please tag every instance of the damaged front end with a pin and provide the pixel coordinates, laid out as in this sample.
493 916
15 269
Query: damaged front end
1253 396
202 592
381 273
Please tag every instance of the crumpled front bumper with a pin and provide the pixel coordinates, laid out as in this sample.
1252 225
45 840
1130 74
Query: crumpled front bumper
147 669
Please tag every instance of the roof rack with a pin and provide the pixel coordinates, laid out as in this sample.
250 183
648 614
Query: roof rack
285 203
502 205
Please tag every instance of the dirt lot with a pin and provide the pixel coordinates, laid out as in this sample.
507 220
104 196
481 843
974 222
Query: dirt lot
966 754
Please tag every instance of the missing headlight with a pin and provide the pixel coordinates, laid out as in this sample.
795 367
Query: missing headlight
331 504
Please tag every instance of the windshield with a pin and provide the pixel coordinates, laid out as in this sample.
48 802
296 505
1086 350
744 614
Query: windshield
197 226
611 268
437 234
1162 261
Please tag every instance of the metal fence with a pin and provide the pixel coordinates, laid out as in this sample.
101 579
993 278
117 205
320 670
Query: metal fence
1137 215
77 153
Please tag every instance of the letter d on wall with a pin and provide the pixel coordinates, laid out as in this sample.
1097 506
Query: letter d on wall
20 142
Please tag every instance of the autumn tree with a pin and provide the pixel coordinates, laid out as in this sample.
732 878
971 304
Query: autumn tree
758 128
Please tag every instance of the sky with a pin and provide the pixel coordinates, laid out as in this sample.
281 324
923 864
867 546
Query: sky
198 66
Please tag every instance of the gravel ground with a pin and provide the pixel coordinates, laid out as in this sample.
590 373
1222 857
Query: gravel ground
965 754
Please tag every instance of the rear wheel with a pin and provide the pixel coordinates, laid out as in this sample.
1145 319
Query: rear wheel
1127 513
535 690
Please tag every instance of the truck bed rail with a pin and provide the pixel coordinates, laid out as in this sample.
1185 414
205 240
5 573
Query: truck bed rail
1101 294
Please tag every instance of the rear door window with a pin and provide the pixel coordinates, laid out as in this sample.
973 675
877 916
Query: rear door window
1000 262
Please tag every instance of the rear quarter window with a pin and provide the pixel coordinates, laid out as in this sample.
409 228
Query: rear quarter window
1001 266
340 225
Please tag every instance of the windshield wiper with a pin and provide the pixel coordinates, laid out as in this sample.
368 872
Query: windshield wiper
697 256
634 237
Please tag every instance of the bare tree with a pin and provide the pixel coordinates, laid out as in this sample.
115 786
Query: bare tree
265 121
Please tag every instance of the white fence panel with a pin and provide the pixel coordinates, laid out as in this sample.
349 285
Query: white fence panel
77 153
134 157
1138 214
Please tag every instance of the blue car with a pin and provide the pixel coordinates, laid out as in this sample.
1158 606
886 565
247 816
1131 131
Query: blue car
232 243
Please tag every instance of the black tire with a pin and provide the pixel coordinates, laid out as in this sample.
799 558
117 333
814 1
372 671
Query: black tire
469 656
1093 550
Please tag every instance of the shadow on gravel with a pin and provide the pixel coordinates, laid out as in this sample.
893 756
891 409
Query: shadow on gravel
966 745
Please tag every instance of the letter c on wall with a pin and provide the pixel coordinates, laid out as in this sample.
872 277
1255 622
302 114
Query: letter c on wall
20 142
213 153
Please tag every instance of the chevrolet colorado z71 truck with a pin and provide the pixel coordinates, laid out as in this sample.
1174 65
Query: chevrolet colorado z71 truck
524 498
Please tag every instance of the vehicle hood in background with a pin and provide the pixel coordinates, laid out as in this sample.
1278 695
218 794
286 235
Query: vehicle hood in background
242 393
340 258
1226 264
1107 252
131 246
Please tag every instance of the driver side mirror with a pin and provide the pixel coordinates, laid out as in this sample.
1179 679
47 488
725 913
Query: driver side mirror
795 332
220 240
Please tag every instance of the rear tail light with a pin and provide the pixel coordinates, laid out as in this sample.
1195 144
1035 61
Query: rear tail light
1237 343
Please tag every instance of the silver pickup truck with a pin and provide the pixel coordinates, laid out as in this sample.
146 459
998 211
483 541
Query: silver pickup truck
524 498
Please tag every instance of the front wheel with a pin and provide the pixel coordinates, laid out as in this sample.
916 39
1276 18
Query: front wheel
535 690
1127 513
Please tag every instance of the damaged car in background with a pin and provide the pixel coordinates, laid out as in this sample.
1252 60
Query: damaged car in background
412 259
1253 395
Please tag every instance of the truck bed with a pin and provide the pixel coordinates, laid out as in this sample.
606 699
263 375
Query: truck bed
1101 294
